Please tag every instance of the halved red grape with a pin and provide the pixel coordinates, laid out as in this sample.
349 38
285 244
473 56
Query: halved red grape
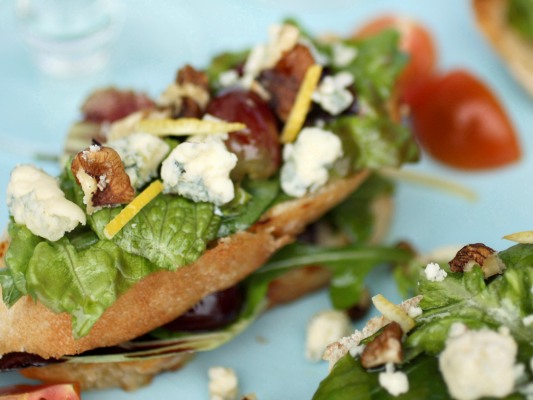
258 147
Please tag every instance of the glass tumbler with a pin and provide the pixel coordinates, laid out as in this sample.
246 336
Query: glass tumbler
69 37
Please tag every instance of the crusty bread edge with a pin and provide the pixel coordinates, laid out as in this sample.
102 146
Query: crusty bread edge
516 52
31 327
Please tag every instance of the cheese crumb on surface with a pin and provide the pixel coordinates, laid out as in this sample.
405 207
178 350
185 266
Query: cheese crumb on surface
223 384
478 364
307 160
199 169
395 383
141 154
35 199
435 273
323 329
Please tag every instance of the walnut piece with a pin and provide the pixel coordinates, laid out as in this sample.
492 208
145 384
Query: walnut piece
283 81
101 175
384 348
189 95
477 254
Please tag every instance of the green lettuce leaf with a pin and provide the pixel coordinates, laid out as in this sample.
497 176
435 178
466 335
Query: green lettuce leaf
83 283
170 231
19 253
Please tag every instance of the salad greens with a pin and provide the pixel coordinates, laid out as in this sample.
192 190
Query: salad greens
84 273
520 16
466 298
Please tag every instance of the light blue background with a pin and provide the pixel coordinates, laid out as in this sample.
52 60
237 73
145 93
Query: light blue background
158 37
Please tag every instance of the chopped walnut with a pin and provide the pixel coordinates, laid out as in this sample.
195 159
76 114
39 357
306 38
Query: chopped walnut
189 95
283 81
477 254
101 175
385 348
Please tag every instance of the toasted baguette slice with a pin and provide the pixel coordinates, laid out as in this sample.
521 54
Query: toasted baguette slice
516 52
132 375
30 327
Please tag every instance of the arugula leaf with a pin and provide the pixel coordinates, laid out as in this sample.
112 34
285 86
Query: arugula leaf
520 17
350 381
350 264
372 142
223 62
263 193
83 283
380 62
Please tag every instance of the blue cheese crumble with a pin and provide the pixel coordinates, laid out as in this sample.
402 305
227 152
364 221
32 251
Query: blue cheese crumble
476 364
332 93
307 161
223 384
35 199
199 169
141 154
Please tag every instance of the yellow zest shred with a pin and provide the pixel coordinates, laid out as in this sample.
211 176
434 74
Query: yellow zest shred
186 126
525 237
393 312
301 104
132 209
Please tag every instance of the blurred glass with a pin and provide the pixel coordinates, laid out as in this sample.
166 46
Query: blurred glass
69 37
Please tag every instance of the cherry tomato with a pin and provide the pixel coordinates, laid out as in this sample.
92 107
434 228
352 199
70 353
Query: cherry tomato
416 41
460 122
58 391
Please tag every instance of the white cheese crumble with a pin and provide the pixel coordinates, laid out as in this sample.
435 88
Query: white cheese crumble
323 329
342 54
35 199
141 154
306 161
395 383
435 273
223 384
478 364
199 169
332 93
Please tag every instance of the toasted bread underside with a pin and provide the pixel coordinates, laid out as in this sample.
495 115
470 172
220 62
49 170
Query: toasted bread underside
516 52
30 327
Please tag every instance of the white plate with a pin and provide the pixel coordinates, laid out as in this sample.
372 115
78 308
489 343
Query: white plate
159 36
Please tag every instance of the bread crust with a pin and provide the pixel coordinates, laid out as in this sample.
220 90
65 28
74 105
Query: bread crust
31 327
516 52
